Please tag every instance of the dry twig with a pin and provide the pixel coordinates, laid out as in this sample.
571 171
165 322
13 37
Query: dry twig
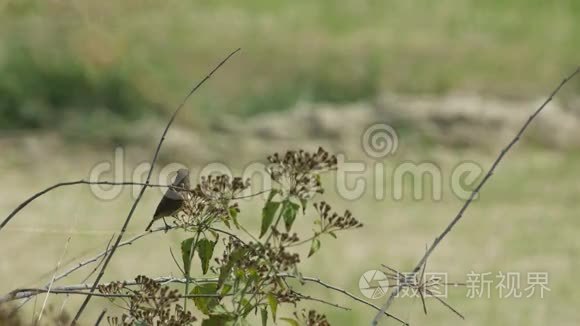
81 289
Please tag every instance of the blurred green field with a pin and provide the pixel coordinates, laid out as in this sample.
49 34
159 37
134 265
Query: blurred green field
107 73
63 62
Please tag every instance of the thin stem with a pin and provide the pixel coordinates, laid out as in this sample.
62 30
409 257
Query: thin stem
140 195
175 261
113 295
474 193
348 294
251 195
101 316
53 277
278 218
72 183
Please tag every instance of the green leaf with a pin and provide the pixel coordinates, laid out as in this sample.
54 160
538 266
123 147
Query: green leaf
289 214
314 246
234 216
226 223
252 276
268 216
218 320
291 321
225 289
205 304
247 307
205 252
264 313
273 303
332 234
187 246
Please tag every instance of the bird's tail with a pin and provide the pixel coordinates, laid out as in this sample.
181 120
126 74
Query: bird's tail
150 224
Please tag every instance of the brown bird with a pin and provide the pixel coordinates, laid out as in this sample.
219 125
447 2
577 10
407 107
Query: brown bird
173 198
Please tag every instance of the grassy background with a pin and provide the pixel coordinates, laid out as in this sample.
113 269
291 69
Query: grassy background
62 59
109 73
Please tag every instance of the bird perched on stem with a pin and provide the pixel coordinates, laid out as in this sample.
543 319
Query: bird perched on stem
173 198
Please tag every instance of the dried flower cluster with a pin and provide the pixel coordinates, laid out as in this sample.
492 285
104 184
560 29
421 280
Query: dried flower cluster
311 318
149 304
262 258
213 198
299 171
285 239
332 222
251 275
222 187
288 296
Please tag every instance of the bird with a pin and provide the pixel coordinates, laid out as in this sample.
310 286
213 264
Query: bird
173 199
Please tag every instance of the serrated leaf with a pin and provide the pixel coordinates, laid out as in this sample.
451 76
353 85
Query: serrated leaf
264 313
289 214
291 321
187 246
205 304
205 252
268 213
314 246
